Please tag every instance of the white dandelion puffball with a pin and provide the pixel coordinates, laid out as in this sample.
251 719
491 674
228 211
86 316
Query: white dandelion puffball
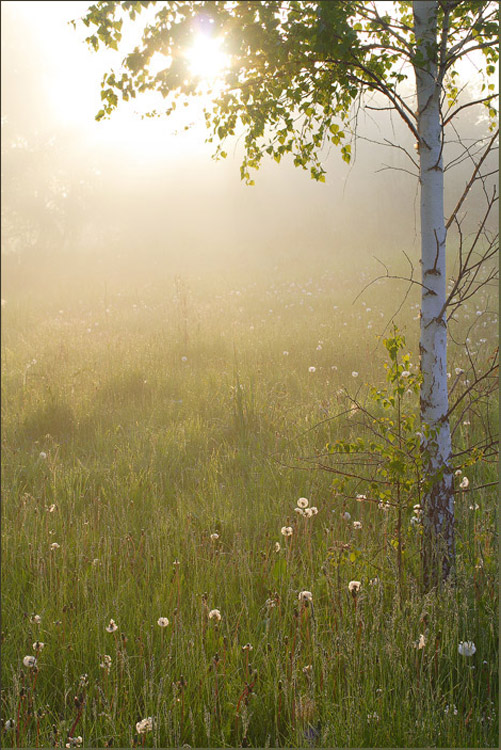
458 473
346 515
248 647
357 525
184 359
285 353
420 643
360 498
465 483
300 511
30 662
277 547
308 512
405 374
43 455
112 626
215 614
459 371
54 546
354 374
286 530
467 648
163 622
38 646
354 586
312 369
145 725
302 502
305 596
313 510
35 619
214 537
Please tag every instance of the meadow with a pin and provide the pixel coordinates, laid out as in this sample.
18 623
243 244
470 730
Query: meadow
160 586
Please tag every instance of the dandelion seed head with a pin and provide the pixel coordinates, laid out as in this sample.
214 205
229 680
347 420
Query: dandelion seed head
112 627
163 622
286 530
465 483
30 662
305 596
302 502
466 648
354 587
215 614
357 525
354 374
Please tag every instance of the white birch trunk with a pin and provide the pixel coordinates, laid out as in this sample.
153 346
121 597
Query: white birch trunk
438 516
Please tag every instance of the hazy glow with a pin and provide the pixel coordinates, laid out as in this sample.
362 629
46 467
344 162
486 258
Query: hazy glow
205 57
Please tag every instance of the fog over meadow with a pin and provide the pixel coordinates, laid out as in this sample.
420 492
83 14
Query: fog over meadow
146 195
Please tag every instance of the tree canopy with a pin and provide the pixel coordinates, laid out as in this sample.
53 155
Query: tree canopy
295 69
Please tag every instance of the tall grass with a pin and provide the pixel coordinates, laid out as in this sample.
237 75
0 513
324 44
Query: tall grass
154 436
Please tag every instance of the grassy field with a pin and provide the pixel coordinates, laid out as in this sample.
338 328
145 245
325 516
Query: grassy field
157 435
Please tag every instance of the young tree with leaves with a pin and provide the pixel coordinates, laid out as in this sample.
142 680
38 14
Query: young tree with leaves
295 72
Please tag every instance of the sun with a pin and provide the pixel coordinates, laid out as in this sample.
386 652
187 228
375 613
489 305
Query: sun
206 60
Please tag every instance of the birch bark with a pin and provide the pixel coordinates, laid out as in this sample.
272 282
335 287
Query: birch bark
438 516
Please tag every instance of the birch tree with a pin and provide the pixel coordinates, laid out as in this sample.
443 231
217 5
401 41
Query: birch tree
295 73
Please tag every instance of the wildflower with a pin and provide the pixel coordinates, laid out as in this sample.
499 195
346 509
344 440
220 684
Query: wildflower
421 643
285 353
405 374
74 742
10 723
458 473
357 525
383 506
319 348
145 725
286 530
54 546
214 537
38 646
474 507
30 662
360 498
163 622
270 603
247 647
215 614
35 619
467 648
452 709
458 371
354 374
184 359
112 626
465 483
42 455
305 596
373 716
300 511
354 587
302 502
346 515
308 512
84 680
314 510
51 508
277 547
106 662
312 369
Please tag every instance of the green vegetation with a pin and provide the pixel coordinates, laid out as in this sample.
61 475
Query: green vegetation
156 439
